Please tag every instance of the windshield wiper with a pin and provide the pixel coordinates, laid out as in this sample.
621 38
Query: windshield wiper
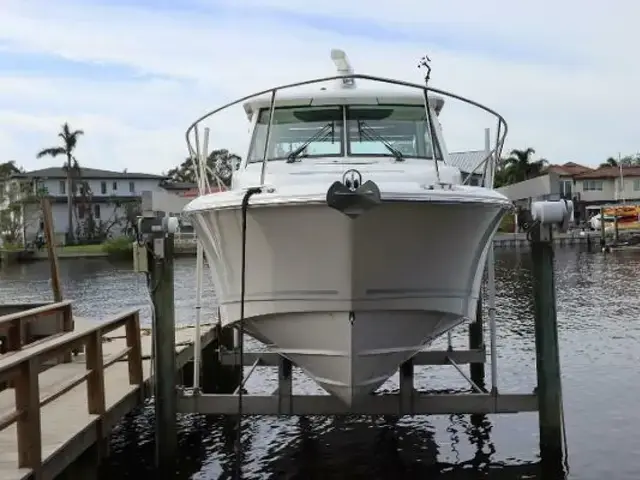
319 135
371 134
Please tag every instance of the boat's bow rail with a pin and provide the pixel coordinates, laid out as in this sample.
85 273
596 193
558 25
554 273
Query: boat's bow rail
432 157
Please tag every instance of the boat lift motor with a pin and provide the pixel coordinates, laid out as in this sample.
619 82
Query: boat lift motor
549 213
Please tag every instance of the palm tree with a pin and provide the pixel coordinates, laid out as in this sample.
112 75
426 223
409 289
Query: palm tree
69 142
524 168
519 167
611 162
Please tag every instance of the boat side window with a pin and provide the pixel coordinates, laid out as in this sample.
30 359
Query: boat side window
304 131
373 129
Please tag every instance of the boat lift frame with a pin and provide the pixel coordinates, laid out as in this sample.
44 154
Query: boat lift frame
408 400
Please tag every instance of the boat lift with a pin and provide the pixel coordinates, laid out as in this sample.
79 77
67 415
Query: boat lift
408 400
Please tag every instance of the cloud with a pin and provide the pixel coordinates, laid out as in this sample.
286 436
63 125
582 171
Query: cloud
134 75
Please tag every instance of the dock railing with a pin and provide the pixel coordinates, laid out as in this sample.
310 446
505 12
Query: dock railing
22 368
16 327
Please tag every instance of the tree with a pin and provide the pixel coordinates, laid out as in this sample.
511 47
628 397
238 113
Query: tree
16 202
220 164
626 161
7 169
69 142
518 167
610 162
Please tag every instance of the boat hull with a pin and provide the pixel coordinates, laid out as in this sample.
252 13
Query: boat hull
348 300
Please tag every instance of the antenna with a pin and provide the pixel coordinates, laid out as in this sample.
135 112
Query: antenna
424 63
341 61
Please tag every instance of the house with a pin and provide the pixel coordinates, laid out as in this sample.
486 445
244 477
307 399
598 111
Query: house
102 198
466 162
555 183
585 186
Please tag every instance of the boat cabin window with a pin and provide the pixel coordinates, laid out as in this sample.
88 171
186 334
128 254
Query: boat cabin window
373 131
382 129
302 131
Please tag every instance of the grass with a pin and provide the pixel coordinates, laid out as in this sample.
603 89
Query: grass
12 247
121 247
117 247
96 248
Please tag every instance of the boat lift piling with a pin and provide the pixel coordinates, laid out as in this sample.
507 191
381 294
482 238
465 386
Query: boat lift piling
476 342
603 238
549 389
156 233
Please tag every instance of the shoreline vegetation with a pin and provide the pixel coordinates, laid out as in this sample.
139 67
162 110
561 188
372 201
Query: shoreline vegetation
117 249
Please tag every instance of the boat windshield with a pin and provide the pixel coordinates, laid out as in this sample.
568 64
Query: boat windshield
300 131
389 130
397 131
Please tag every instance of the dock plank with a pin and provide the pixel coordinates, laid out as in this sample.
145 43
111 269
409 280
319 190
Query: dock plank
66 419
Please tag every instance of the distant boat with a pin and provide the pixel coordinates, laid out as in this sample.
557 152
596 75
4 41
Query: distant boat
628 218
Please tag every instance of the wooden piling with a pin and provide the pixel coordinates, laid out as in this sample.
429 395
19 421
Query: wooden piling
549 389
476 342
49 236
603 240
216 376
56 284
162 294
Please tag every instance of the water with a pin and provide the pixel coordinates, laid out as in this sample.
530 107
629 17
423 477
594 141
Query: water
600 347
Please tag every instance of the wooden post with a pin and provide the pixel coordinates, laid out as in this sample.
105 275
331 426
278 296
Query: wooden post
96 398
216 376
56 286
27 394
134 358
616 231
603 240
476 342
549 390
67 319
95 380
164 340
14 335
51 249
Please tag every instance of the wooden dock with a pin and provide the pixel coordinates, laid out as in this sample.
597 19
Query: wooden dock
519 240
57 405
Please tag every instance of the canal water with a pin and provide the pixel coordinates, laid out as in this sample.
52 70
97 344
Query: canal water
599 322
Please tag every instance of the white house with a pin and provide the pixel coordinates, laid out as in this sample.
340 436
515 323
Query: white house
100 194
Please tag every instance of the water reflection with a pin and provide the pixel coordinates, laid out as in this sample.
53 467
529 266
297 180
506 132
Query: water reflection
317 448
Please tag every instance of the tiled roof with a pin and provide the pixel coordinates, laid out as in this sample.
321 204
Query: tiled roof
611 172
569 168
59 172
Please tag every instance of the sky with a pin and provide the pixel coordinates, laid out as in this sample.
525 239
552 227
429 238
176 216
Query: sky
134 74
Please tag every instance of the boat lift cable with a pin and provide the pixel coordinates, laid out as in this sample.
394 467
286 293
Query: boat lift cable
203 184
243 284
491 271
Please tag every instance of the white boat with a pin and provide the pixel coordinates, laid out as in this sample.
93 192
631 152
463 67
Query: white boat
361 249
